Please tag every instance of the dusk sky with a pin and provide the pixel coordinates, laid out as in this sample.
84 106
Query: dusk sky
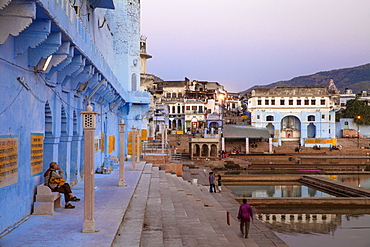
243 43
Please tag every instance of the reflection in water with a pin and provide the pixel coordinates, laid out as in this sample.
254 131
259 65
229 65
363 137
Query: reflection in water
329 230
276 191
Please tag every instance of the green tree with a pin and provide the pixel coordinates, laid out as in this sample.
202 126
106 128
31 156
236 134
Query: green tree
357 110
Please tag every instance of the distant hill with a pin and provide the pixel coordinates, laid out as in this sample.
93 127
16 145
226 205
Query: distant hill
356 78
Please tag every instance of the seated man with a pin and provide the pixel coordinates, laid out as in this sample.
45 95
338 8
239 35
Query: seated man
54 180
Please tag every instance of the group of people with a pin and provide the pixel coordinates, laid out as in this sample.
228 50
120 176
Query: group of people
245 215
212 183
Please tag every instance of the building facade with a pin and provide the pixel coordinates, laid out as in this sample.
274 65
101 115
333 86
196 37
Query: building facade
304 114
56 56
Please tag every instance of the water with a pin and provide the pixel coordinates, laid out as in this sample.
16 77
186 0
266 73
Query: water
310 226
339 231
276 191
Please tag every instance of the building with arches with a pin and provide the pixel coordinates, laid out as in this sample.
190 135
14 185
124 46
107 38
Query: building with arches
55 58
302 114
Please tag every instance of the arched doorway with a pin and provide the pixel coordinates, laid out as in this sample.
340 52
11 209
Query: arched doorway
271 128
290 128
311 131
214 151
196 150
205 150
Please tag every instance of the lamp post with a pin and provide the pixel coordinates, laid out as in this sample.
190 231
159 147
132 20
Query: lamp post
89 126
358 129
121 128
133 148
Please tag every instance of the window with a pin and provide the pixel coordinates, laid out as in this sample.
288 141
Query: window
194 108
322 102
188 107
282 102
134 82
329 117
323 116
270 118
168 95
259 102
173 95
299 102
178 109
180 95
272 102
311 118
200 109
313 102
306 102
258 116
173 109
290 102
267 102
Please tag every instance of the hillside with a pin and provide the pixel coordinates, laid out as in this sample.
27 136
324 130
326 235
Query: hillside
356 78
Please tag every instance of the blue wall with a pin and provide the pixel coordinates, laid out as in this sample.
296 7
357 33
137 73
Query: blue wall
48 103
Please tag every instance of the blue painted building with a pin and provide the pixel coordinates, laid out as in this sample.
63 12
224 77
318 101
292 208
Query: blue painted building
55 57
302 114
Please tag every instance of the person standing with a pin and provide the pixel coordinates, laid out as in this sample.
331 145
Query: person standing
219 183
211 178
54 180
245 216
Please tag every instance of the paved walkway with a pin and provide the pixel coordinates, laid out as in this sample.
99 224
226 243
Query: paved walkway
155 209
64 228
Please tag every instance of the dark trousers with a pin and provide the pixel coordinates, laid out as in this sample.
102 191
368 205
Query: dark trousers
244 228
212 186
65 189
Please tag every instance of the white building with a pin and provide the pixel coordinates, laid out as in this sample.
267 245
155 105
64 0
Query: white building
302 114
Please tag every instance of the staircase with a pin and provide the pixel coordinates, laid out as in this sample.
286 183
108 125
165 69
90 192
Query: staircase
177 213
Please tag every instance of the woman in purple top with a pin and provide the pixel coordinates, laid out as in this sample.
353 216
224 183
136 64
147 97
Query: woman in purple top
245 215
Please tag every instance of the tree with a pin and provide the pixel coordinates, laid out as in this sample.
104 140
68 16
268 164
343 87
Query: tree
357 110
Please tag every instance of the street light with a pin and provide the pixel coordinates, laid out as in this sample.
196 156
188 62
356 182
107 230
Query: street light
121 128
358 129
89 126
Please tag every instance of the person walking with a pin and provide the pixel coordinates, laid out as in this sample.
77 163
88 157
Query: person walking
245 216
211 178
219 183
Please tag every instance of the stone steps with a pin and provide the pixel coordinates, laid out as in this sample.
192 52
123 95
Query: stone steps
131 228
182 214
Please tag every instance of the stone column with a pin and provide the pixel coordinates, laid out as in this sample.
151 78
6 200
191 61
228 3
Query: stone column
121 128
89 126
133 148
138 145
247 145
270 145
162 127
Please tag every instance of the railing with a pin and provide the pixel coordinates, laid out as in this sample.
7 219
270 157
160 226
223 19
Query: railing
176 157
155 147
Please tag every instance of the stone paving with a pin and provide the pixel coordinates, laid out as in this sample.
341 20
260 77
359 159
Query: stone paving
154 209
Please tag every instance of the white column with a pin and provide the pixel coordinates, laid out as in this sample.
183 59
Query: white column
89 126
138 145
121 128
162 126
247 145
270 145
133 148
223 143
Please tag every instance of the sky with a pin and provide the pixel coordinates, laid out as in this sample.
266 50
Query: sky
243 43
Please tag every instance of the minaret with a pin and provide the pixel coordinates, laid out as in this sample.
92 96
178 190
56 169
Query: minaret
143 55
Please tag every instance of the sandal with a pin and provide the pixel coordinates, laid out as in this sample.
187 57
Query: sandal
75 199
69 206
